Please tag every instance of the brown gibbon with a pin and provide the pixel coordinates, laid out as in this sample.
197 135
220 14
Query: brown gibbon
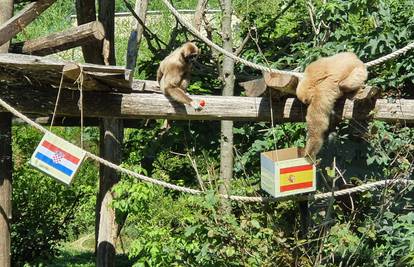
324 81
174 74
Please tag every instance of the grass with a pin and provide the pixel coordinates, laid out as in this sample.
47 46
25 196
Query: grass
74 258
79 253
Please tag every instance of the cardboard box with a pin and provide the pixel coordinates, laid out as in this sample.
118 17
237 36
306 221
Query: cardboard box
286 172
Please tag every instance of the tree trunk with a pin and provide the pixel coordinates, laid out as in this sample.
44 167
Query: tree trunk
226 154
199 13
6 164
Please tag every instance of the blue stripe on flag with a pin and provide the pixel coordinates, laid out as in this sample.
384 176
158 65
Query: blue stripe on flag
50 162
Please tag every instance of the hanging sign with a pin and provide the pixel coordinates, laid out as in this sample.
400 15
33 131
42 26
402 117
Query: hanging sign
57 158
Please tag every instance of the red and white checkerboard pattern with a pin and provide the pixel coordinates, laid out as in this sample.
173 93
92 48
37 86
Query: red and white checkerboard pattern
57 157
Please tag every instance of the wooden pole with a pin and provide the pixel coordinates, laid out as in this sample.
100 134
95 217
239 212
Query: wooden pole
86 12
56 42
111 149
111 134
6 164
135 37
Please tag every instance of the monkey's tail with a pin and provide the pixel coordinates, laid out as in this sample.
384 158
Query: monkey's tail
178 95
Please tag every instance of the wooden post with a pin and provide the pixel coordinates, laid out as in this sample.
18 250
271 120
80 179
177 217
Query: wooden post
56 42
111 144
226 142
6 164
86 12
110 148
5 187
135 37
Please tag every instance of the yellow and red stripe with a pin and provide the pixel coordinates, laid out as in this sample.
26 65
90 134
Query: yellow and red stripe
297 177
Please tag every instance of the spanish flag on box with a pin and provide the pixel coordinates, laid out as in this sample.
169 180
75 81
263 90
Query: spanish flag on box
57 158
286 172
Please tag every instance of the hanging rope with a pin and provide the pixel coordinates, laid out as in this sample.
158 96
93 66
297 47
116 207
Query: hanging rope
390 56
361 188
190 27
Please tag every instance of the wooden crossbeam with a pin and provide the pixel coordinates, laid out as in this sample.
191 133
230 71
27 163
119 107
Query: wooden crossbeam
56 42
283 83
17 23
143 105
47 71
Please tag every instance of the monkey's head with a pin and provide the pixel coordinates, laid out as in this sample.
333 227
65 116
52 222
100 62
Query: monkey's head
189 52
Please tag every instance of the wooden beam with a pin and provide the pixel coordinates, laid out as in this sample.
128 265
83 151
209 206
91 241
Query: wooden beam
6 166
237 108
56 42
75 122
255 87
283 83
17 23
135 36
86 12
49 71
6 163
111 140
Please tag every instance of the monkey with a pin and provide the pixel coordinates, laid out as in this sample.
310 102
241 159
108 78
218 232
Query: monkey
173 74
324 81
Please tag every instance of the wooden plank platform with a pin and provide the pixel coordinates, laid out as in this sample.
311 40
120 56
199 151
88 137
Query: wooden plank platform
45 72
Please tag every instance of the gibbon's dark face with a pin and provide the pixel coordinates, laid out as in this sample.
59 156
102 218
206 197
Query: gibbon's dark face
190 52
191 58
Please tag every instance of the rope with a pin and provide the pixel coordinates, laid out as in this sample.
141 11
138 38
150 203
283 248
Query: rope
246 199
80 103
390 56
57 102
190 27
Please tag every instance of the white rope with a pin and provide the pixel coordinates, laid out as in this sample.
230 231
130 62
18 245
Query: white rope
190 27
390 56
109 164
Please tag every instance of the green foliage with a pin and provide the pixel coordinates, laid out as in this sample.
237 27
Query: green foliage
45 212
190 232
165 228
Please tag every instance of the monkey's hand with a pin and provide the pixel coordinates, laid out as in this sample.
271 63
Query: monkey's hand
198 105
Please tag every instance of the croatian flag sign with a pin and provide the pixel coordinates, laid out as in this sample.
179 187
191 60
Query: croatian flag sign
57 158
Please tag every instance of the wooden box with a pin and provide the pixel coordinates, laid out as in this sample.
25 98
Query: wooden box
287 172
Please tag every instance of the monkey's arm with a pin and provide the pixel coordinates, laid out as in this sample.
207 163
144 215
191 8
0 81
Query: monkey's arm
186 81
159 74
178 95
